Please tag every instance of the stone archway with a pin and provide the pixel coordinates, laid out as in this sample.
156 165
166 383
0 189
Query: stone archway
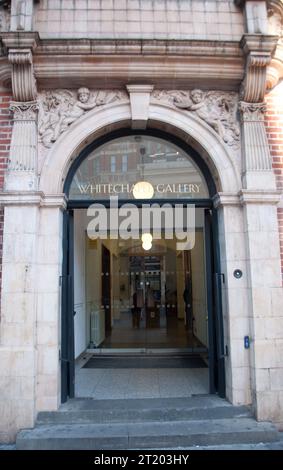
218 157
110 117
37 292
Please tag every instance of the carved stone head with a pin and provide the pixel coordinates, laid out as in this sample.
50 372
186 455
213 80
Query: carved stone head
197 96
83 94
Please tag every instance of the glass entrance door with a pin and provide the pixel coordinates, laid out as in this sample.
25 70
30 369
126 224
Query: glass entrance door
130 296
132 293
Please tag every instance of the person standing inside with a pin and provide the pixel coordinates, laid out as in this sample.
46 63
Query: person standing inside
187 296
137 307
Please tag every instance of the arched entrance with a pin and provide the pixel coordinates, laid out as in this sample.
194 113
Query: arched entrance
114 166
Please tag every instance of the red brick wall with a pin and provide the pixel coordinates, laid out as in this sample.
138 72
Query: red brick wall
274 127
5 138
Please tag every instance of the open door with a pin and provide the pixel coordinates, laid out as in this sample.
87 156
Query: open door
67 355
188 292
214 305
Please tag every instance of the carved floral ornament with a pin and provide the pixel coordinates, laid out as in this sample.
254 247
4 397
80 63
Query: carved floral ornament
252 111
24 111
58 109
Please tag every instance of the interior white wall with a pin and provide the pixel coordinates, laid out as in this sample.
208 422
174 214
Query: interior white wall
79 282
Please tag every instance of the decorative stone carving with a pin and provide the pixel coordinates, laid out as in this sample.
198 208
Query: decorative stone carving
23 152
253 87
24 111
252 111
23 80
217 109
58 109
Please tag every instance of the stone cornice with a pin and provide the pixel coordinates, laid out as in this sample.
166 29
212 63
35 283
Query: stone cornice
20 40
34 198
263 44
18 198
247 197
259 197
225 199
137 46
160 62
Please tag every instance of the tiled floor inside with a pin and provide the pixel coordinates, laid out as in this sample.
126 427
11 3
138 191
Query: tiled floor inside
170 334
139 383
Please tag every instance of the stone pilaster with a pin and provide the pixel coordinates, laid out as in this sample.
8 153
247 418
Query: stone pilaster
30 313
265 300
235 291
256 168
22 165
256 164
259 199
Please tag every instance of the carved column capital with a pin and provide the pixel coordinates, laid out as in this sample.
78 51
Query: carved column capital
252 111
24 111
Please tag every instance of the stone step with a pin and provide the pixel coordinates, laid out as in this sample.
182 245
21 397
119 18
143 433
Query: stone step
80 411
146 435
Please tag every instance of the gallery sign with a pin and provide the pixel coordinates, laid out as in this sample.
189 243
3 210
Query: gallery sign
146 190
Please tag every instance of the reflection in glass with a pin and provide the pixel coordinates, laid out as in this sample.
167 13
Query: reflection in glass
115 167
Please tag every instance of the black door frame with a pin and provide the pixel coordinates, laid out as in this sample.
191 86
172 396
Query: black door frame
214 276
67 353
214 280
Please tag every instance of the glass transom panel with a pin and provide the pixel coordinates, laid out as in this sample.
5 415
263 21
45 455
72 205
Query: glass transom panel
138 167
